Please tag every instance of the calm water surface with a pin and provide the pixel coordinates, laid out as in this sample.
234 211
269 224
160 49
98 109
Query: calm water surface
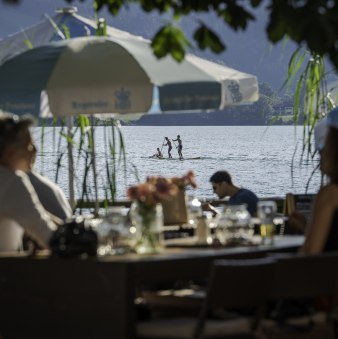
259 158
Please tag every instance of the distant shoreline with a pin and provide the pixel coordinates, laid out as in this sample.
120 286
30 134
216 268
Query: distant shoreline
246 115
231 117
136 124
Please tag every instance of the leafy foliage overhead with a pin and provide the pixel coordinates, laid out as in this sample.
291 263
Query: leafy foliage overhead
312 23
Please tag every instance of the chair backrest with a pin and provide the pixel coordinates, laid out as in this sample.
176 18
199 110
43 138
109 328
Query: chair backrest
280 201
240 283
237 284
304 276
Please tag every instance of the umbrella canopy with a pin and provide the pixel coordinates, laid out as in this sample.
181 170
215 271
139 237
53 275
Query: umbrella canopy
47 30
194 84
103 74
82 75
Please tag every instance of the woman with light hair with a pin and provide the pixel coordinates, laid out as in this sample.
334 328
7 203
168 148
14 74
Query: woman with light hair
20 206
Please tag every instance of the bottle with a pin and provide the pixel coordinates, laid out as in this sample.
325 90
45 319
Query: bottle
202 229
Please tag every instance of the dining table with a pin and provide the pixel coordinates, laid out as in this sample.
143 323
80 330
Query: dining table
50 297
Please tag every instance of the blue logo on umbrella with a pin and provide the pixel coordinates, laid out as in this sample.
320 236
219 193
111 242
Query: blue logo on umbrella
236 95
122 99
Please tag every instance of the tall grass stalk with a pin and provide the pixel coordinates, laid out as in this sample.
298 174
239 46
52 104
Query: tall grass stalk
308 75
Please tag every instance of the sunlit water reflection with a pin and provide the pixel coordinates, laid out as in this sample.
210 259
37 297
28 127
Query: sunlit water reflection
258 158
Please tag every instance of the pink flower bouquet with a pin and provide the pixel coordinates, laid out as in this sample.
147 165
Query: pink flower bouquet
158 189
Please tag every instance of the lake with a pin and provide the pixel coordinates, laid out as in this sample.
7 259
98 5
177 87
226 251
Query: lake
257 157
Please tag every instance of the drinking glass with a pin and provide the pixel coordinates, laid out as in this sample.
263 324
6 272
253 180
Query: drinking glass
266 211
111 232
235 225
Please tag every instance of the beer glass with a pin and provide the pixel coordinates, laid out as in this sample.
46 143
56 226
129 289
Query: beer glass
266 211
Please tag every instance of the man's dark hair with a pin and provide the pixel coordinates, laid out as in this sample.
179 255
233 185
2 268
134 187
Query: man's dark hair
220 176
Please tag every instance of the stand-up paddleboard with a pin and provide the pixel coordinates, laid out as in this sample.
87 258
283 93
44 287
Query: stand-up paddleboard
196 158
159 158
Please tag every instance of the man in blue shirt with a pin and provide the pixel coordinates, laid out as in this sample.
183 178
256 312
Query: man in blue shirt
222 186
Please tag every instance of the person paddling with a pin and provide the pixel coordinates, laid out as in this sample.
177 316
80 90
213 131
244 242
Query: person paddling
179 147
168 143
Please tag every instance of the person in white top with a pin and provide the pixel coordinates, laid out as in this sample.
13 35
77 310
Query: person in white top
19 201
50 194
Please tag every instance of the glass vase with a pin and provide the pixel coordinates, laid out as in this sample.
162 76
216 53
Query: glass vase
148 223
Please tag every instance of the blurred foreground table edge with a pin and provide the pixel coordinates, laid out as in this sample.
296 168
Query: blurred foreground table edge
94 298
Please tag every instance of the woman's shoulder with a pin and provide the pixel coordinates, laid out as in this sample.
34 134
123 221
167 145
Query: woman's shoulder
9 180
329 194
331 188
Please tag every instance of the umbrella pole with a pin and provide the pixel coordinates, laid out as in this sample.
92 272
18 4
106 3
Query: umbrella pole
70 162
94 170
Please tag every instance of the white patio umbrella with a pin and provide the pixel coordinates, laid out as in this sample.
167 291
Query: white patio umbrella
91 75
115 75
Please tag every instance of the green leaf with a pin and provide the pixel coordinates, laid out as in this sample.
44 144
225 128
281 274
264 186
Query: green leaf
68 138
66 31
208 39
97 5
255 3
295 63
101 29
56 28
160 5
237 17
28 43
170 40
276 30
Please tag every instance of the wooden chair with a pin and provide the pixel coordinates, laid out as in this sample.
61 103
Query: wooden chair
233 285
297 278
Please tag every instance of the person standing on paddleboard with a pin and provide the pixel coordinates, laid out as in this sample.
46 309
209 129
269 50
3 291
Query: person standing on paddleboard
179 147
168 143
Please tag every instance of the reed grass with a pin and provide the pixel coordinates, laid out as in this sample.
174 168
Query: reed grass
308 75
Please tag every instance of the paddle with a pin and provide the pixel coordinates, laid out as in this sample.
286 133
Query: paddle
156 155
162 145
